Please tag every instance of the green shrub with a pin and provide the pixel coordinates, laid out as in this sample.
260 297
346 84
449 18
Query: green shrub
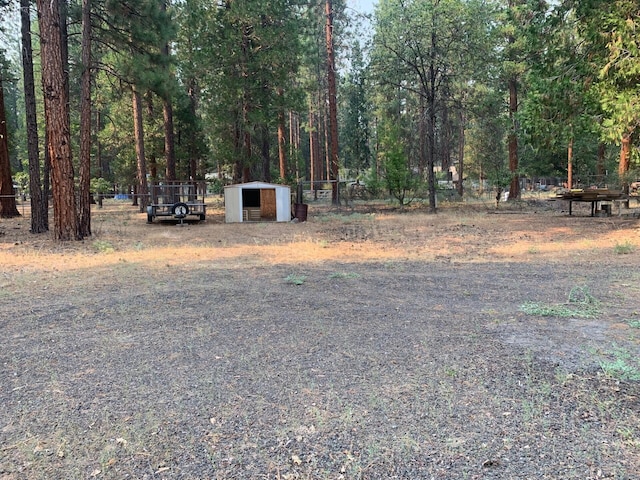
295 279
624 248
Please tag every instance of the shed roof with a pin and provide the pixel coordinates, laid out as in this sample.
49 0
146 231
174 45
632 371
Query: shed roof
257 185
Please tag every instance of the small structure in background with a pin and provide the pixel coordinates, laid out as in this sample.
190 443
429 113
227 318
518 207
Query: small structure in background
177 200
256 202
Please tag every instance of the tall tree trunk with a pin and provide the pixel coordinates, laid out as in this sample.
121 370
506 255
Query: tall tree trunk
623 165
333 108
8 208
142 188
56 108
167 111
282 155
193 108
39 203
430 94
248 143
99 166
461 145
64 43
152 162
153 166
169 140
266 155
445 137
431 145
570 164
313 148
514 189
326 169
84 204
422 137
46 178
294 143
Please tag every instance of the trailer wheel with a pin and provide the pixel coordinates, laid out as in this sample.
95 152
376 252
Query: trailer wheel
149 214
180 210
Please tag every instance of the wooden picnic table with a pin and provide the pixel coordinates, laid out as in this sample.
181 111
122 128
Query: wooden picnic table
592 195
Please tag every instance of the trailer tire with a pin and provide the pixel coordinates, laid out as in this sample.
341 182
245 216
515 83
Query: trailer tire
180 210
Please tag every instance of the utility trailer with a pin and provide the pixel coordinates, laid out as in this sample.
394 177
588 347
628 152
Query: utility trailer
176 200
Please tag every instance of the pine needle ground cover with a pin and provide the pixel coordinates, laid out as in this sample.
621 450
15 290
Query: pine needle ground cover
190 352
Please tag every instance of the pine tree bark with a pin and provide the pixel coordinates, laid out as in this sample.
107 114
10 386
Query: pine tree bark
169 140
623 165
39 201
142 189
570 164
461 146
46 178
422 137
8 208
429 92
100 170
56 108
333 108
514 189
282 155
193 104
314 149
167 111
84 203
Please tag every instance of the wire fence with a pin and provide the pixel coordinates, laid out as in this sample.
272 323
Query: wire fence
23 202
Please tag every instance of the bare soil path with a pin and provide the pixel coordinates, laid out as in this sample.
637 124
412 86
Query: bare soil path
371 344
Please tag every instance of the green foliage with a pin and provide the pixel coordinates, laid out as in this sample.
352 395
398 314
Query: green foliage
345 275
252 56
354 116
103 246
373 183
22 179
609 32
295 279
486 137
499 178
437 71
100 185
624 248
561 107
580 304
428 59
623 366
399 178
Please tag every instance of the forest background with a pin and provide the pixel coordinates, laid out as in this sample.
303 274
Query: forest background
104 96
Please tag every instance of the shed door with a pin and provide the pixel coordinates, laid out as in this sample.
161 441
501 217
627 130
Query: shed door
268 203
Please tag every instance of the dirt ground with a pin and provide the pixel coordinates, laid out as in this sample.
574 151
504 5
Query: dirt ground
365 343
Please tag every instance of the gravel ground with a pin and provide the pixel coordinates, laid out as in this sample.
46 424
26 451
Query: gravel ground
251 367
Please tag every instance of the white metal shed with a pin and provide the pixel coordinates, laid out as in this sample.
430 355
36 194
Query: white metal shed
257 201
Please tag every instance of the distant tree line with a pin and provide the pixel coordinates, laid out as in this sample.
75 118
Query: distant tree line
131 92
